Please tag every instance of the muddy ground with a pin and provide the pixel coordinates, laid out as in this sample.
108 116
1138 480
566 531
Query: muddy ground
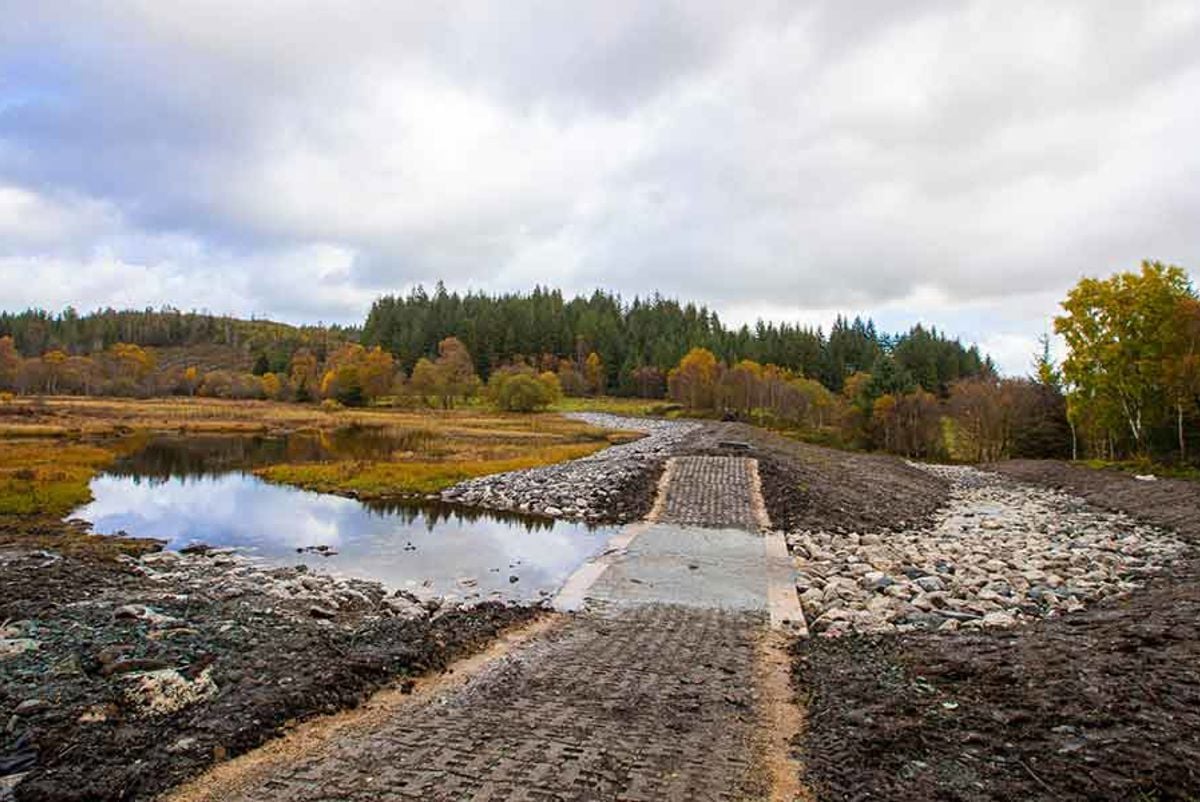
116 684
1100 704
812 487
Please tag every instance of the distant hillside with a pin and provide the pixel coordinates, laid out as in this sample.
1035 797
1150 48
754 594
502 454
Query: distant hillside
194 338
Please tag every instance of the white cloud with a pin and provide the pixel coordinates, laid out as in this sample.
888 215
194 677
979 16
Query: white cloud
963 163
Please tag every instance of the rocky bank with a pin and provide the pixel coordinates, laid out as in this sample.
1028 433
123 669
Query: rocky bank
615 485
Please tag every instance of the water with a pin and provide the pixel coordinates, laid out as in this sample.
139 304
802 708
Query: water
197 490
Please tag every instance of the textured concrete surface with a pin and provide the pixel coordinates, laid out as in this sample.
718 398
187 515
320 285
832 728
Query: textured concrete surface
721 492
655 704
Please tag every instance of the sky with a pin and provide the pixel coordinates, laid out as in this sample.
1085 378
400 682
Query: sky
960 164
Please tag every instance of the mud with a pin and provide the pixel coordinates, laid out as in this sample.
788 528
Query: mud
137 681
1098 704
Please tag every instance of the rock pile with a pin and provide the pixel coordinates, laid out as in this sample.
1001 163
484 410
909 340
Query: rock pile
588 489
226 576
1000 553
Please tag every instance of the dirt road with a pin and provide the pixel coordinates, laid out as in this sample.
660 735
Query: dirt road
655 688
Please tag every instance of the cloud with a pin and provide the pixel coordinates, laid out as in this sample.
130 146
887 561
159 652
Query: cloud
294 160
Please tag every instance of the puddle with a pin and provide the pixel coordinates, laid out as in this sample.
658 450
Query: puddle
190 490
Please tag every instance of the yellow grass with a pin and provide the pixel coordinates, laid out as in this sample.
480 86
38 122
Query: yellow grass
372 480
41 478
634 407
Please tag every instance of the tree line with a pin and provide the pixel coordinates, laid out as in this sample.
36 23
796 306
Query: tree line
37 331
592 345
1129 385
636 343
977 418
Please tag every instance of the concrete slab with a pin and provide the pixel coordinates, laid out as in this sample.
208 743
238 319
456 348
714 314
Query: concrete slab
722 569
719 556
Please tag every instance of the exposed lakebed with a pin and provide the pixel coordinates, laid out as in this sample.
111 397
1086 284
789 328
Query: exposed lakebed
193 490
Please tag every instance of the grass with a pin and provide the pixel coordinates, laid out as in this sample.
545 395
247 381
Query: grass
635 407
374 480
1143 467
47 479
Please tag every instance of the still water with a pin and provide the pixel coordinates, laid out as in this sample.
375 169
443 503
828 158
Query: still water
197 490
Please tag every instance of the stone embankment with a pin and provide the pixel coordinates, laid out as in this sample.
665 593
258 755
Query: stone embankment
998 554
612 485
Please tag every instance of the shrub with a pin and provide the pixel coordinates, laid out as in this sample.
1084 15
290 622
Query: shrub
518 389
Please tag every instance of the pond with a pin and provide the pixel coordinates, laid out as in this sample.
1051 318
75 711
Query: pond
199 490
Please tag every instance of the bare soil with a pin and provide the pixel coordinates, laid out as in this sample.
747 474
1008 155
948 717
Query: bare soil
1099 704
813 487
272 666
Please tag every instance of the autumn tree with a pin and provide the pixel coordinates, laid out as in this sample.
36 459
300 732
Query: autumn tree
449 378
425 381
741 386
80 374
10 364
272 386
983 413
593 373
1119 332
377 372
54 363
456 372
126 367
919 430
519 388
693 382
342 377
190 381
1181 368
304 374
570 379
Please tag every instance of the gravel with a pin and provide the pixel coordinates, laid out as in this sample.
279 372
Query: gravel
999 554
613 485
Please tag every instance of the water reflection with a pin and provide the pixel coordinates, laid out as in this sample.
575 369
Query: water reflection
189 490
168 456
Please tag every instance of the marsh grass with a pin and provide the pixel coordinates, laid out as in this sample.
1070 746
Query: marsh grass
44 478
634 407
378 479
